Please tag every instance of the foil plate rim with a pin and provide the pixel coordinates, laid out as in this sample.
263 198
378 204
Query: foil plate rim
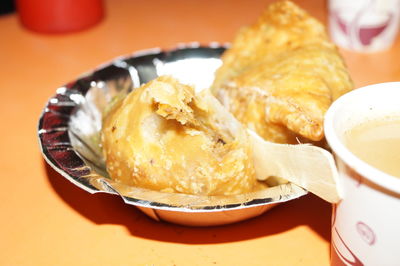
54 134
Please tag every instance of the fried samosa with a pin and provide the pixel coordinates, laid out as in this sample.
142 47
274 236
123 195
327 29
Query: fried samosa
281 74
164 137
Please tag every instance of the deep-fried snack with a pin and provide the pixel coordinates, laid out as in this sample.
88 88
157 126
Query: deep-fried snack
165 137
281 74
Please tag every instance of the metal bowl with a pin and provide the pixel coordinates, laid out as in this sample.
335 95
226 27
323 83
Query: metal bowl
71 121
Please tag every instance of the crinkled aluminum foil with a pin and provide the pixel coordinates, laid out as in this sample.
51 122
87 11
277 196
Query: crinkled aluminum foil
70 124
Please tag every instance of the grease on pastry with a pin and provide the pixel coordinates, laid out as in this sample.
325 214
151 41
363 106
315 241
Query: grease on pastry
164 137
281 74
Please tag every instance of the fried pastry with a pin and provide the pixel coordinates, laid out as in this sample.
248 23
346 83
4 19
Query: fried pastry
165 137
281 74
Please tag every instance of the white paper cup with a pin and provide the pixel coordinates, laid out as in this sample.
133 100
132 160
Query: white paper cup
366 223
364 25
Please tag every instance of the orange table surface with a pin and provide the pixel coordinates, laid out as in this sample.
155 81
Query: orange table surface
46 220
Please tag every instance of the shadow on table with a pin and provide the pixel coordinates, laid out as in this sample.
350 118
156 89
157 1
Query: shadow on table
104 208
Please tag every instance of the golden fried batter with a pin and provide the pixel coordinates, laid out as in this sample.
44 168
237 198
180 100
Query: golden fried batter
164 137
281 75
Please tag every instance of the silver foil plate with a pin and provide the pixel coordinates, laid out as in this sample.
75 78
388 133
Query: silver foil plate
70 124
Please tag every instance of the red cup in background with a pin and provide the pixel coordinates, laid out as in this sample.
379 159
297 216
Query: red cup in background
59 16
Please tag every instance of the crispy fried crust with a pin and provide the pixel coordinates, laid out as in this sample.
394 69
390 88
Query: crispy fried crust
281 75
164 137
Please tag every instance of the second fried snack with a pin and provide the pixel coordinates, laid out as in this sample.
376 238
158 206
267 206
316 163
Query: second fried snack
281 75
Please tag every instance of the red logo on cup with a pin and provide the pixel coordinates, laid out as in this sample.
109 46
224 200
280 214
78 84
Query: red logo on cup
341 254
366 233
365 34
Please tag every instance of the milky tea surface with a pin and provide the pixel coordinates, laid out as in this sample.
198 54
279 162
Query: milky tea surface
377 143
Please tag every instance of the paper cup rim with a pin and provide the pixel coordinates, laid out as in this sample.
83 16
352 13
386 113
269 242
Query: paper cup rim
371 173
